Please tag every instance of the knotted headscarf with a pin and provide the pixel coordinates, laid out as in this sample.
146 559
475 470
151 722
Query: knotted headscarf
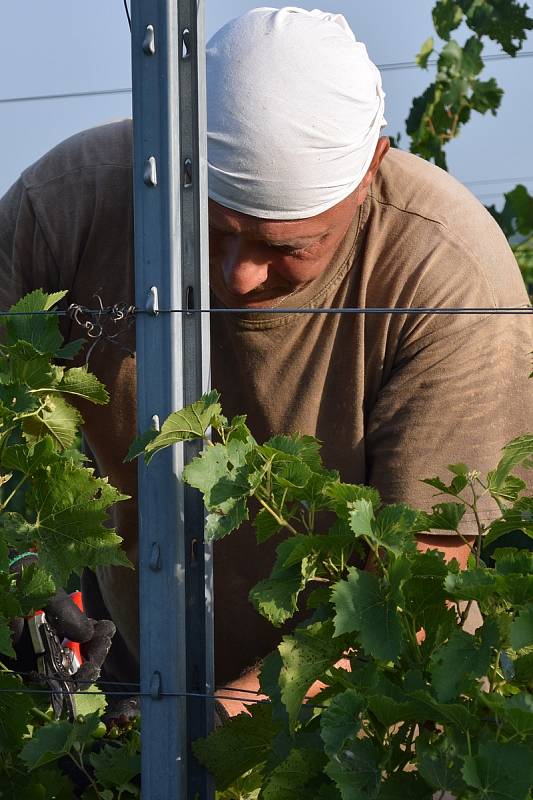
295 107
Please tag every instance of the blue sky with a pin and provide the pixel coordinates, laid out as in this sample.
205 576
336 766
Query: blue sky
66 46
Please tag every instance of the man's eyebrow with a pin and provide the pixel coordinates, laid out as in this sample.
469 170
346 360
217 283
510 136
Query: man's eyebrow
288 241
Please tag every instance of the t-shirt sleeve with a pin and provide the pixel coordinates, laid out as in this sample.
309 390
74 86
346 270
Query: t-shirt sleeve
457 391
26 262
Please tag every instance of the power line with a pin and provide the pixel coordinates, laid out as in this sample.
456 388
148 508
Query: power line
481 182
64 96
433 61
99 92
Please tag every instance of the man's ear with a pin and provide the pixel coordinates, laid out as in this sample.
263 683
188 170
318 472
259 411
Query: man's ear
382 148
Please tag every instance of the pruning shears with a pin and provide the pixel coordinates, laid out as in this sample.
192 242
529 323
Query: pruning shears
57 662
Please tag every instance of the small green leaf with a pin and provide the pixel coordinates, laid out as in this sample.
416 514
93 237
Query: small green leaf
276 597
444 516
425 52
41 331
82 383
58 419
115 767
191 422
137 447
361 518
91 701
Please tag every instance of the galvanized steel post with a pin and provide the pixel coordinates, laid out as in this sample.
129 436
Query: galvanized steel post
171 269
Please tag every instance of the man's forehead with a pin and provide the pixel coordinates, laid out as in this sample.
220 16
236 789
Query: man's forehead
229 221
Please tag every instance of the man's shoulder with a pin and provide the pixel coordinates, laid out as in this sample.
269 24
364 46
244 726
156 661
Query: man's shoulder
105 146
428 222
410 184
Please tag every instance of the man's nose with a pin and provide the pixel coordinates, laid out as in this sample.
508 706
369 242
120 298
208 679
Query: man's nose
244 265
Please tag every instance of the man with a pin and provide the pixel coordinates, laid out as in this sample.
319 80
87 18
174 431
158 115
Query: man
308 208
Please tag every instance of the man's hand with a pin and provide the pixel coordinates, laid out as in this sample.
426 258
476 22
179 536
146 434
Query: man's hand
68 622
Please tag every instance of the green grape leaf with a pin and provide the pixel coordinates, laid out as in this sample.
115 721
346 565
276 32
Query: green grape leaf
341 496
71 510
486 96
71 349
265 525
521 633
390 711
29 458
425 52
362 604
475 584
91 701
439 765
14 712
219 524
341 720
36 587
191 422
444 516
290 778
523 668
242 743
362 517
114 767
356 771
137 447
82 383
500 771
461 657
503 21
47 744
41 331
511 561
393 529
58 419
276 597
518 451
305 448
447 16
517 518
454 714
306 656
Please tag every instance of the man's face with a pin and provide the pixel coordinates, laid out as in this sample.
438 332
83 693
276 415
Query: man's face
254 262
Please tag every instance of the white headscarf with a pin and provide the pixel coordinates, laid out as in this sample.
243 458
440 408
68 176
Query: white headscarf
295 108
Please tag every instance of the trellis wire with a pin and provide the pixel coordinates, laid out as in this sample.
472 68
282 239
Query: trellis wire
276 310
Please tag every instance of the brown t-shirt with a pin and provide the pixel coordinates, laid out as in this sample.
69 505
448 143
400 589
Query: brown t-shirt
394 397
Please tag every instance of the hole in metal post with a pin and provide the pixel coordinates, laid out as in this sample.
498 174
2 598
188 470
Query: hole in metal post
186 43
187 173
148 44
189 300
194 549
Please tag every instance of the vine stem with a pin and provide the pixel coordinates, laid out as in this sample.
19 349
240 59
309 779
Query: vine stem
279 520
10 497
